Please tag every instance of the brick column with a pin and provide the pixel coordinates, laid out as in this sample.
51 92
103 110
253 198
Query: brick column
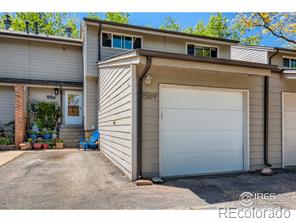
20 115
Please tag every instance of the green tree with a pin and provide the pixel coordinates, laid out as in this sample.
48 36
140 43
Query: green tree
171 25
217 26
93 15
119 17
48 23
278 24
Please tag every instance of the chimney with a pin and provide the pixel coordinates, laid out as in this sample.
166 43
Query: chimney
68 32
7 22
36 28
27 26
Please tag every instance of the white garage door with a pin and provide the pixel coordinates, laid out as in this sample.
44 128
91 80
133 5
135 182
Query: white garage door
201 130
289 129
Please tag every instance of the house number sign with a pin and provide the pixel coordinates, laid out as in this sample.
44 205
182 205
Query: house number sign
150 95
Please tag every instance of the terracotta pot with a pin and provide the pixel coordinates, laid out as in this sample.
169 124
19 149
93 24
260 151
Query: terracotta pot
37 146
45 146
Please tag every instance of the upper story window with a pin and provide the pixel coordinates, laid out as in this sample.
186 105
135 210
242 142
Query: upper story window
119 41
289 62
202 50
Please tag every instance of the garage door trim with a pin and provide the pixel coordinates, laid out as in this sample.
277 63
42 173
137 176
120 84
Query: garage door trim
245 93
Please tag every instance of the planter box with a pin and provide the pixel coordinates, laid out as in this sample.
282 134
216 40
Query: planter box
7 147
59 145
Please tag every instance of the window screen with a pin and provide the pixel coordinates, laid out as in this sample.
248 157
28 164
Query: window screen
190 49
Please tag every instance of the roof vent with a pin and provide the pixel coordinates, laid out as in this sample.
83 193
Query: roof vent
36 28
68 32
27 26
7 22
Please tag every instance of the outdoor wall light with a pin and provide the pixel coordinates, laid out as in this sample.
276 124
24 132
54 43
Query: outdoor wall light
55 91
148 80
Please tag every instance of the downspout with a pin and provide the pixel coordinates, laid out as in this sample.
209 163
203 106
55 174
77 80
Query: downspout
99 42
266 114
140 110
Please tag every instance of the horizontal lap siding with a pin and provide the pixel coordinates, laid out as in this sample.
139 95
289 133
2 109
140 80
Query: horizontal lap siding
6 104
115 116
40 60
248 54
208 79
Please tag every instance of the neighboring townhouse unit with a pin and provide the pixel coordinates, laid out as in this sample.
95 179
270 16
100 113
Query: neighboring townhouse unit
35 67
282 99
165 103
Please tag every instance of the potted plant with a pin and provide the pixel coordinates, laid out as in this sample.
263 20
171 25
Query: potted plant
45 146
32 134
59 144
37 146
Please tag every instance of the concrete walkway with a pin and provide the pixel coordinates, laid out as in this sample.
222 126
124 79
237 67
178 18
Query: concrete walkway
6 156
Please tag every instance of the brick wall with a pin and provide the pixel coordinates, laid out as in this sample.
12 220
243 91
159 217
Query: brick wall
20 114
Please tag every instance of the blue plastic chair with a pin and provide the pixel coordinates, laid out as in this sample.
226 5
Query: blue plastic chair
90 143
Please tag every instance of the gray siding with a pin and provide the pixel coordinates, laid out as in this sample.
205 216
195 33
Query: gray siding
90 103
116 118
40 60
6 104
90 50
209 79
249 54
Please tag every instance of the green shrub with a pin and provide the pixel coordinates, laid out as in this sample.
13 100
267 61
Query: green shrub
4 141
45 114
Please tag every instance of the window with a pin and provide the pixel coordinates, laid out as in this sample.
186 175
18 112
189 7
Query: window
137 43
106 41
204 51
117 43
121 41
289 63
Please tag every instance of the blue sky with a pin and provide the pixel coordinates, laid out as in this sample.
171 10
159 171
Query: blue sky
185 19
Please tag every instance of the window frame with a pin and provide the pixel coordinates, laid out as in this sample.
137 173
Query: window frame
121 34
288 57
203 45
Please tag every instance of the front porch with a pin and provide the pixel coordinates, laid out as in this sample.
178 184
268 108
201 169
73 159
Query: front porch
19 105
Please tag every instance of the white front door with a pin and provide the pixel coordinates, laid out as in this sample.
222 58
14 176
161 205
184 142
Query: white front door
201 130
73 107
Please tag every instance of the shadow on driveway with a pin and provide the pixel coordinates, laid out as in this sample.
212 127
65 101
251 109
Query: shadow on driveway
225 188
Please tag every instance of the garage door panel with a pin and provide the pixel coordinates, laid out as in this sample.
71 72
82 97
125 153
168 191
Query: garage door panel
290 120
290 102
178 98
201 131
208 162
194 119
289 129
189 142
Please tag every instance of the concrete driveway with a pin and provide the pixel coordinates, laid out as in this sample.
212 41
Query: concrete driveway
87 180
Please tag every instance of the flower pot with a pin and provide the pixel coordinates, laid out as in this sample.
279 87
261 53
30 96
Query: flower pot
47 136
59 145
37 146
45 146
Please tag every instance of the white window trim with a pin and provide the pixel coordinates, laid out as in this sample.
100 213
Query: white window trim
122 34
203 45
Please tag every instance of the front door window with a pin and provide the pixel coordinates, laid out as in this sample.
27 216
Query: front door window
73 107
